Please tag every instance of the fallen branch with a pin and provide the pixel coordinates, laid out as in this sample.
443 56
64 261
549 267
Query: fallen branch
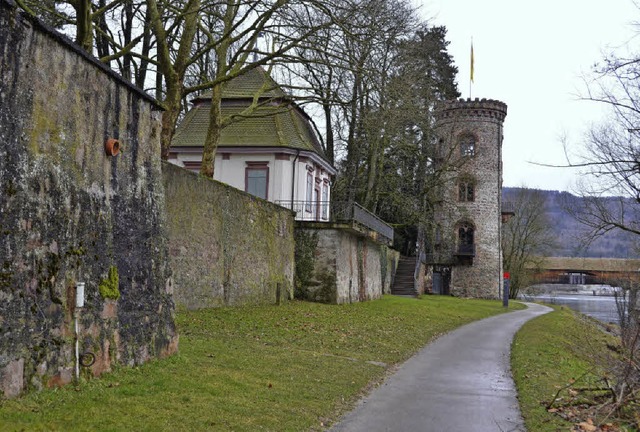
555 397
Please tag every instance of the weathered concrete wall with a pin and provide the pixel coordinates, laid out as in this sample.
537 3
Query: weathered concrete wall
389 259
226 246
348 267
483 119
69 212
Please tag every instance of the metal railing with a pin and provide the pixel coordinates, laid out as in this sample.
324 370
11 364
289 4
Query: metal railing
338 211
314 211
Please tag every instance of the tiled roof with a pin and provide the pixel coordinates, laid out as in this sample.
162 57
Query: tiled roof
247 85
268 126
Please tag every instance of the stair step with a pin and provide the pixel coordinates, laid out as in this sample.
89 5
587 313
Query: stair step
403 283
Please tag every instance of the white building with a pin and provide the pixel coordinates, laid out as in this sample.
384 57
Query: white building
272 153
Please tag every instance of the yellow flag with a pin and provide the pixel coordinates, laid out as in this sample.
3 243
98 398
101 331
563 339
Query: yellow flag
471 61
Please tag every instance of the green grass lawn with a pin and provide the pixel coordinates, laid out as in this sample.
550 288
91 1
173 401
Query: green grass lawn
549 353
293 367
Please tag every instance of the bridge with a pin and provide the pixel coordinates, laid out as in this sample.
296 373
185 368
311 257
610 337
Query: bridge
586 271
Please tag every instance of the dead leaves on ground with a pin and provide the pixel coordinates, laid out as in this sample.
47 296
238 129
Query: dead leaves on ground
583 407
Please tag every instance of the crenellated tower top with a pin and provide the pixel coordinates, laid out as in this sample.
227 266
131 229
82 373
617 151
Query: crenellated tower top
465 108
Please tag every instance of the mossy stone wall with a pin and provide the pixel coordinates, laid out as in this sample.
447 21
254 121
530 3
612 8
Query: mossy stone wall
226 246
69 213
347 267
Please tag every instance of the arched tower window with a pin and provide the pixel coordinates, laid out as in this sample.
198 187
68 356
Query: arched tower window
466 189
467 145
466 239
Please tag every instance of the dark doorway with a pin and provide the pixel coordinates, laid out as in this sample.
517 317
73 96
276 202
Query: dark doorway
441 280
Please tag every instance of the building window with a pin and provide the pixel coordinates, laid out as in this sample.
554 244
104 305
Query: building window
466 234
316 207
257 179
308 206
193 165
325 202
467 146
466 190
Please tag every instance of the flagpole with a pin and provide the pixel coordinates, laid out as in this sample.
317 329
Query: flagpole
471 69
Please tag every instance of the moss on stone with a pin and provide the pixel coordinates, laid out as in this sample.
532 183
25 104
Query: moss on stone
327 292
250 259
305 249
6 275
10 189
79 251
45 130
109 287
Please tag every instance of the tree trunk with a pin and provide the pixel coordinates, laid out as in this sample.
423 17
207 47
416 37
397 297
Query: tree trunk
329 142
127 32
372 175
170 115
172 69
84 28
213 132
352 149
146 47
102 44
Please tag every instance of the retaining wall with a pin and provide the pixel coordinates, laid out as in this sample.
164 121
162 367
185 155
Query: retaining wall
346 267
226 247
70 213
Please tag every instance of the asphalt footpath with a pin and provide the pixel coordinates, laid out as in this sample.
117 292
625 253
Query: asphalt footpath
460 382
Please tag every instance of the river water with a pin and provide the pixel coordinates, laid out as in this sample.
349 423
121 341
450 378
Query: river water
602 308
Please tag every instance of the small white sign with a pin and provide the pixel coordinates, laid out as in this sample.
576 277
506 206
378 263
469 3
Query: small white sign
80 294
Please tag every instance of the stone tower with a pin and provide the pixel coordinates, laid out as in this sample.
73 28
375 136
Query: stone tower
467 258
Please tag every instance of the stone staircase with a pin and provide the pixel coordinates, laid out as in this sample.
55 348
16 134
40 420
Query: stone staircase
403 280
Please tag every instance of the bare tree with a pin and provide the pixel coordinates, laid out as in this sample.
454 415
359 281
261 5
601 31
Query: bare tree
610 162
116 31
86 16
610 192
526 238
174 27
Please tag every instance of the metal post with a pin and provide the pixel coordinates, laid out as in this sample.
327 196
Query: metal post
505 293
79 305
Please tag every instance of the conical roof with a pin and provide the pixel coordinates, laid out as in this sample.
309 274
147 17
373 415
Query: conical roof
247 85
270 125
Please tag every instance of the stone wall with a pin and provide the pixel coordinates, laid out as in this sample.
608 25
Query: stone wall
70 213
226 246
480 276
347 267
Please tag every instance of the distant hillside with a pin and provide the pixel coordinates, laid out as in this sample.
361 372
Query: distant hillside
571 234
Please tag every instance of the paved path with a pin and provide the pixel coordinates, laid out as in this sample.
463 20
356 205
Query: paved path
461 382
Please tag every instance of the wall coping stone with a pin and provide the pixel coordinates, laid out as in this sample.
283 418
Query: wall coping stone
353 228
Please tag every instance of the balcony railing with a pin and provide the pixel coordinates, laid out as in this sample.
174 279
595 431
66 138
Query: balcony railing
467 250
339 212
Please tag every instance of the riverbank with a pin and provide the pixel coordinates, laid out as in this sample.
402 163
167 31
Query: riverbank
287 368
569 289
554 359
602 308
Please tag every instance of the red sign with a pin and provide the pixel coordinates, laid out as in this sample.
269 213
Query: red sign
506 275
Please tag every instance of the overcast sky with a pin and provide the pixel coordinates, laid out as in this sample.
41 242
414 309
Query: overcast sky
531 55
